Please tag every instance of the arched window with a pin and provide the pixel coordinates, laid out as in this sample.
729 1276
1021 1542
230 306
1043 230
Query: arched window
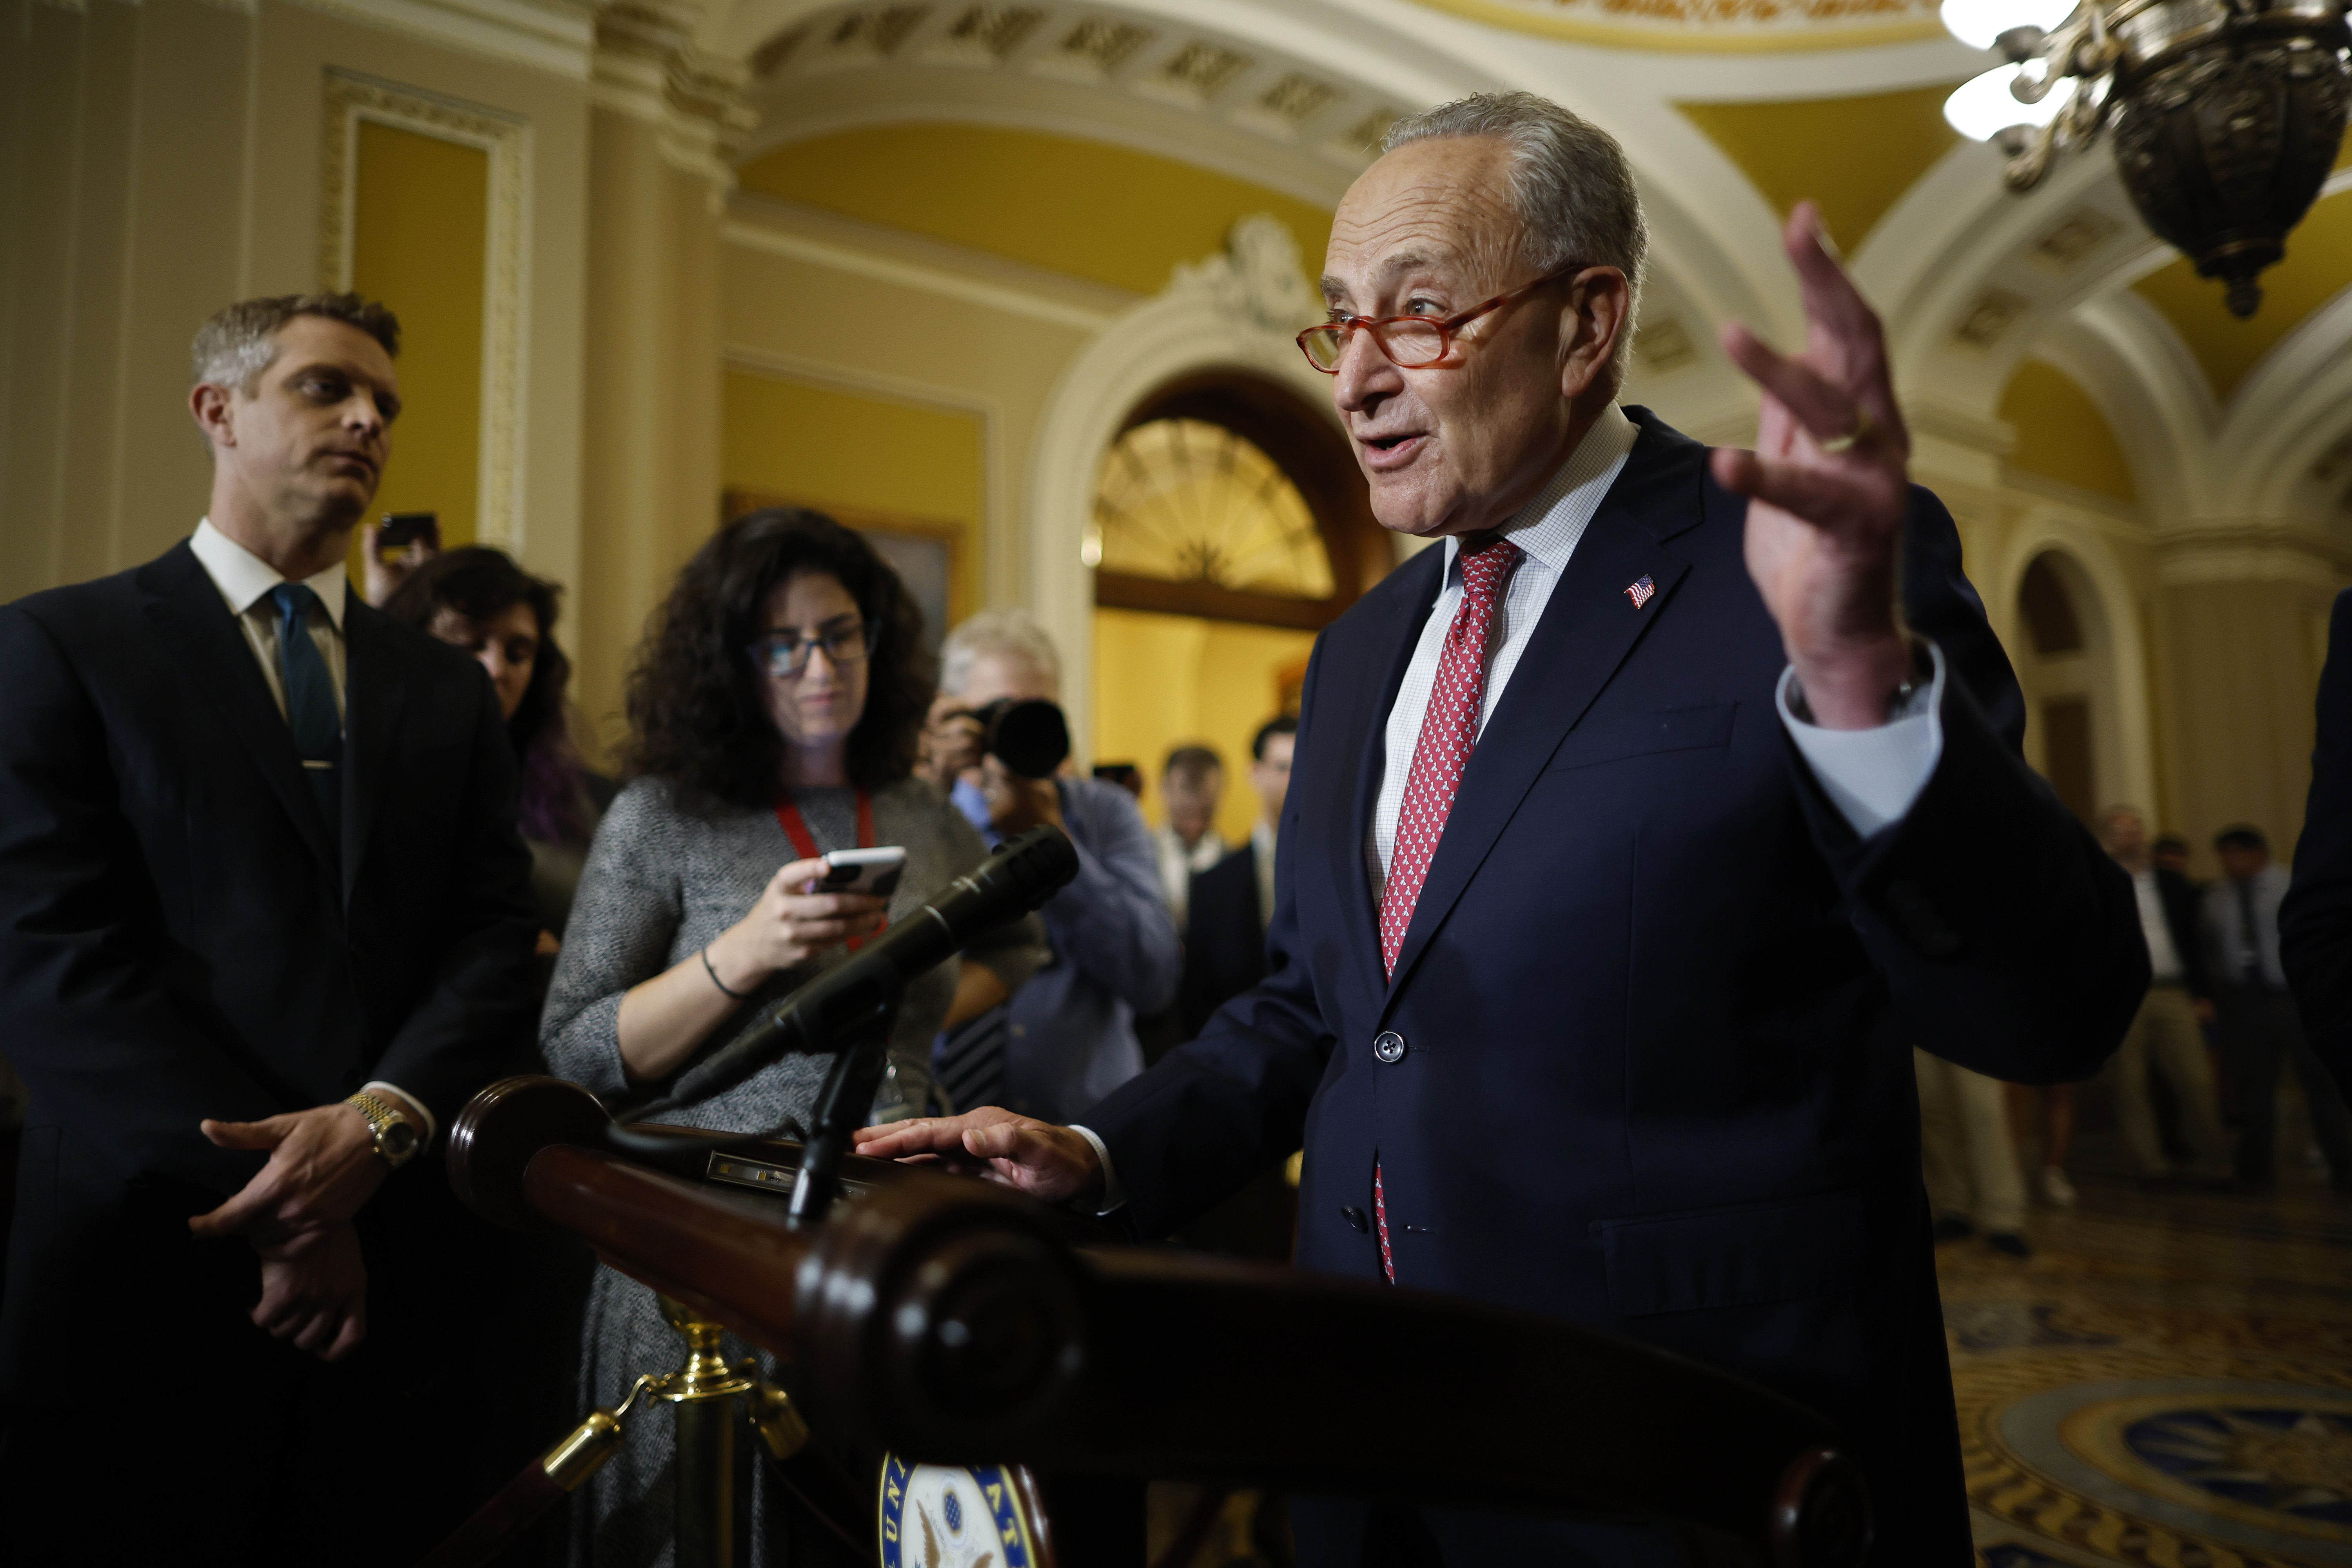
1182 501
1225 497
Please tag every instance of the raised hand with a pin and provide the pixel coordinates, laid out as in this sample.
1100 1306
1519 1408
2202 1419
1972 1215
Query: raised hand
1046 1161
1827 487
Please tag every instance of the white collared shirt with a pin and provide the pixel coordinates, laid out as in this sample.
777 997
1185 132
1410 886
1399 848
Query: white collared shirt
245 581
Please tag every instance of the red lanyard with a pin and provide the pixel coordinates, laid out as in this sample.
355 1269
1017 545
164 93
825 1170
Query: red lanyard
788 818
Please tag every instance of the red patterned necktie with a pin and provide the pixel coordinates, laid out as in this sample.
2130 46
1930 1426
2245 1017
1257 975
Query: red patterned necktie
1449 730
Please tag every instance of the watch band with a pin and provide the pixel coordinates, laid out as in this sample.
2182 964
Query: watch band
387 1121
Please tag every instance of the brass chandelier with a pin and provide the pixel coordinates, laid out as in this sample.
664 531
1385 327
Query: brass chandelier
2227 115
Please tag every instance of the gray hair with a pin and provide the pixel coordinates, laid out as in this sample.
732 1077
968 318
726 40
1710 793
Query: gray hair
1012 634
1570 182
240 341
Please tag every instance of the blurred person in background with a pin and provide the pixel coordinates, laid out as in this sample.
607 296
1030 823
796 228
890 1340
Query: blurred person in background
2258 1026
1192 785
774 710
1068 1037
2170 853
2042 1116
475 598
1232 903
1969 1156
2165 1036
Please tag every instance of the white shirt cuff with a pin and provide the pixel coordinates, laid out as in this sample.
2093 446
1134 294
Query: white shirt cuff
410 1102
1874 777
1114 1195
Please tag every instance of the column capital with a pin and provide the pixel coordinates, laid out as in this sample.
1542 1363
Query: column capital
649 67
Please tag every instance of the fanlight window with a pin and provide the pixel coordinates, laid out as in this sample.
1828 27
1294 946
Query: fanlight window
1186 501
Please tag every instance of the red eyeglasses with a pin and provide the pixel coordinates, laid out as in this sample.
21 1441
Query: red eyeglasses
1410 341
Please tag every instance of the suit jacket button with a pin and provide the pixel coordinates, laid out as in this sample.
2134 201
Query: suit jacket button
1355 1217
1388 1046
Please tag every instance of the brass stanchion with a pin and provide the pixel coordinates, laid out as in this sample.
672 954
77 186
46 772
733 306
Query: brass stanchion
703 1471
704 1391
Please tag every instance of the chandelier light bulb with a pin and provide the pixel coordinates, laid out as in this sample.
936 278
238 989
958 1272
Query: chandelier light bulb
1983 106
1977 23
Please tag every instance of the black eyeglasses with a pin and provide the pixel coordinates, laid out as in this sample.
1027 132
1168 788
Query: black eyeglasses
1410 341
785 654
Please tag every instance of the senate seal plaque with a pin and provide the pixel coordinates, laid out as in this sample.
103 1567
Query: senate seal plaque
957 1516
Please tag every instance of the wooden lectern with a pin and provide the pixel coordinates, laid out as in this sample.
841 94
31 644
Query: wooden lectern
948 1321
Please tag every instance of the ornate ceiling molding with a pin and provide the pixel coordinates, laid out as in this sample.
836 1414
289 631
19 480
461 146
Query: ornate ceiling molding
1711 26
1179 87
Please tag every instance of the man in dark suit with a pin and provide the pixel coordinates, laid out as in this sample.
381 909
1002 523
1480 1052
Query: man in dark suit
265 925
1232 902
1635 833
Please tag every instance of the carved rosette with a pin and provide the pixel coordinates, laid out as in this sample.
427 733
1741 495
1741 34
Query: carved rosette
2224 145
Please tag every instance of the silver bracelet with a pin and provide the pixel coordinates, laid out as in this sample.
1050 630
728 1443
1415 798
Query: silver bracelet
722 985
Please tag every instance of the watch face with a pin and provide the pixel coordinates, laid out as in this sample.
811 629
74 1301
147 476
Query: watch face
399 1139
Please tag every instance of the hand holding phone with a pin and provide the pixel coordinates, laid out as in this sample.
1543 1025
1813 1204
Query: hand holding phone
875 873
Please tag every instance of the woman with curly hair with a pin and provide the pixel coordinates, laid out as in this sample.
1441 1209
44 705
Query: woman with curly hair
478 599
775 707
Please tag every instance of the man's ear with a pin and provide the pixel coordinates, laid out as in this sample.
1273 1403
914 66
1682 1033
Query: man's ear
1593 327
214 410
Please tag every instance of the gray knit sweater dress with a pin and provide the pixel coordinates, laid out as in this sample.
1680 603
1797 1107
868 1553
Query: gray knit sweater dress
661 883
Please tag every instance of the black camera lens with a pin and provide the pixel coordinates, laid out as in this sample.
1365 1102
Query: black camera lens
1028 735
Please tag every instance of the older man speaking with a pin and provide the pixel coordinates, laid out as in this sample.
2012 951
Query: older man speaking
1651 826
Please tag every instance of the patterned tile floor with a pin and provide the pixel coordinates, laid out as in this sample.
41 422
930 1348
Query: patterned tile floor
2168 1381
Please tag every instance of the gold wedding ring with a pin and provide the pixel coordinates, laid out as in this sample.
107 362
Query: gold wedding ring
1863 427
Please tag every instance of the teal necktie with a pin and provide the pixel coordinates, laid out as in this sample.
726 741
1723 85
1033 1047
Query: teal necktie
311 702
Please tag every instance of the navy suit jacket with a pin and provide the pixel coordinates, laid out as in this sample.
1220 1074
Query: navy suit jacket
1656 996
2316 920
179 937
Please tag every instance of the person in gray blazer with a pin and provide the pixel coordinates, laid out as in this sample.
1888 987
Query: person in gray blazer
774 710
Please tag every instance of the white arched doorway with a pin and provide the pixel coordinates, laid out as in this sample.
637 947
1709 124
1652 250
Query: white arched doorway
1235 313
2078 661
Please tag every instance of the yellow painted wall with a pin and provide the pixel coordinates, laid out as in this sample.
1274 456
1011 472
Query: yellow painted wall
2317 267
821 446
1105 212
830 448
1854 157
419 242
1164 680
2062 434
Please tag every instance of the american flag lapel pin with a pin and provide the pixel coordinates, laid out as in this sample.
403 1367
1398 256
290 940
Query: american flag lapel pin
1642 593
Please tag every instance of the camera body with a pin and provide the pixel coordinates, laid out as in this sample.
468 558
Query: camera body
1027 734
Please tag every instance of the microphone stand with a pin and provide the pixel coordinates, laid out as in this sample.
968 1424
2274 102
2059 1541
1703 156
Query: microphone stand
842 1108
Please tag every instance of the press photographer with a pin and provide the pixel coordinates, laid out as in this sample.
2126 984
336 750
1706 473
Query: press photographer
997 744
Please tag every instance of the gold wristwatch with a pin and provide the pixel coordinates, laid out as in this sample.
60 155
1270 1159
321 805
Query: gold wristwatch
395 1135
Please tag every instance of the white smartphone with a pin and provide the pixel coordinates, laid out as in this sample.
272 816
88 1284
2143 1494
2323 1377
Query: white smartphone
872 871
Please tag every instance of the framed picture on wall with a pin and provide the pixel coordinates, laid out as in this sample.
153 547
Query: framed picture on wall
927 554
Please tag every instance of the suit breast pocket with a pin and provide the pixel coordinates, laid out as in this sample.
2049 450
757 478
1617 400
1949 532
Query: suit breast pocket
1702 728
1744 1256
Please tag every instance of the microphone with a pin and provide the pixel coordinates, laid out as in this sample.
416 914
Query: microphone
860 996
